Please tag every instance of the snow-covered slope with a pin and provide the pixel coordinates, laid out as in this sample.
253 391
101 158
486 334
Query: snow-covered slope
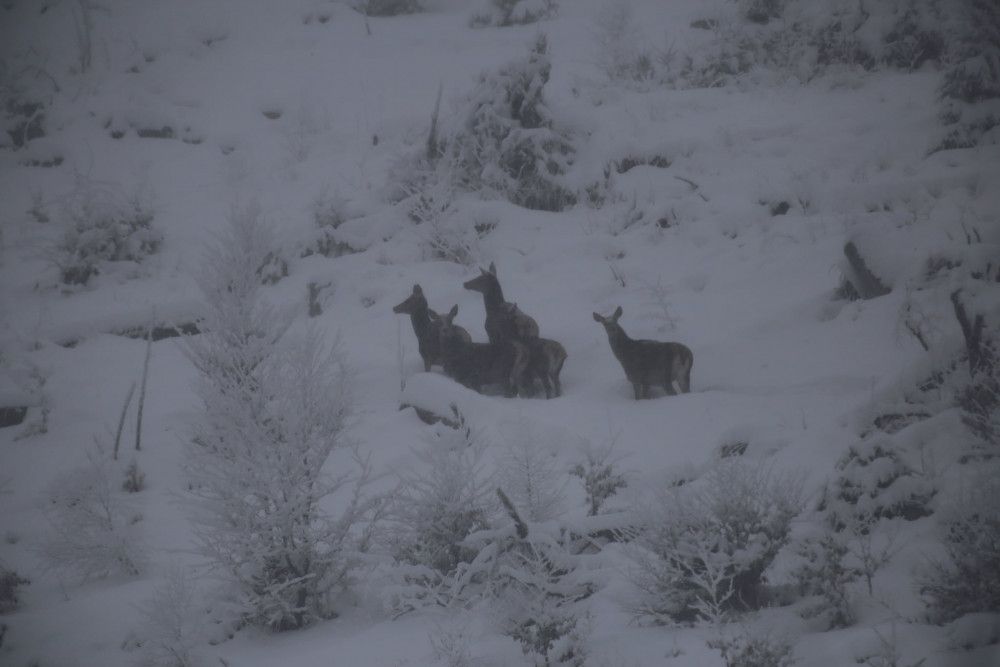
735 249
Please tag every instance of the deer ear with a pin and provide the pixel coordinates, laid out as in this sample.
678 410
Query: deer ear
598 318
618 313
417 290
453 312
493 268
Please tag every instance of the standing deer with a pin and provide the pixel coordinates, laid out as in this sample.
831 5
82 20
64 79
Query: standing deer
506 322
475 365
502 322
648 362
545 358
425 326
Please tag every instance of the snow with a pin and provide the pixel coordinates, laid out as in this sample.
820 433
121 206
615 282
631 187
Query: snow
268 104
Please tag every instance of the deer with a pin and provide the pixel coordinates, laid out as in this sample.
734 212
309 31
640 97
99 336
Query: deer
506 322
425 327
502 322
475 365
545 358
648 362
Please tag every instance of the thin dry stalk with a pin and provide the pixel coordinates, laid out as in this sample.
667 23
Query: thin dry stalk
121 421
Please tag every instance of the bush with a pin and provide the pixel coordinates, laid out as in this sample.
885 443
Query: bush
540 580
752 650
826 572
967 579
502 13
507 145
100 226
273 413
761 11
171 630
94 532
437 507
388 7
875 482
600 478
705 546
617 46
10 581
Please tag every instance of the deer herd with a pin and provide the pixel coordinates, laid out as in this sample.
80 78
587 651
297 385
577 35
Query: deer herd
516 358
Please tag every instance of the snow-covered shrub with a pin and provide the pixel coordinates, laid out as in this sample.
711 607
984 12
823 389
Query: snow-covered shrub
100 226
752 649
975 76
274 410
443 229
531 475
171 630
502 13
705 546
10 581
826 571
761 11
329 211
599 476
437 506
618 51
967 579
135 479
541 581
94 532
388 7
876 482
26 90
506 144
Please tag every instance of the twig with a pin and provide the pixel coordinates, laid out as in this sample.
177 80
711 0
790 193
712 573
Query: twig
142 390
694 186
519 524
121 421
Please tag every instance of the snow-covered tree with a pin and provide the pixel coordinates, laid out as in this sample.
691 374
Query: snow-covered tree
274 410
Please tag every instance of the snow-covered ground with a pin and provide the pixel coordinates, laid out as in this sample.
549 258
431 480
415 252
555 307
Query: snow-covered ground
290 103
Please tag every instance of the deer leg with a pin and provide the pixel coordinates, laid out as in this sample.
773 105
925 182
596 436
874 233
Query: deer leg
427 365
558 385
637 388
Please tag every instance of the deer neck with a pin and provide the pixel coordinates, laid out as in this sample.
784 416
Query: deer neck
493 299
620 342
421 322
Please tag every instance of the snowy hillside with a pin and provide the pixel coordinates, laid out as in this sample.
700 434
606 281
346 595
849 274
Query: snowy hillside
220 445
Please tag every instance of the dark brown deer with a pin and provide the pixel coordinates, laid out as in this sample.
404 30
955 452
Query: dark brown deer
502 322
476 365
545 362
648 362
506 322
425 325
